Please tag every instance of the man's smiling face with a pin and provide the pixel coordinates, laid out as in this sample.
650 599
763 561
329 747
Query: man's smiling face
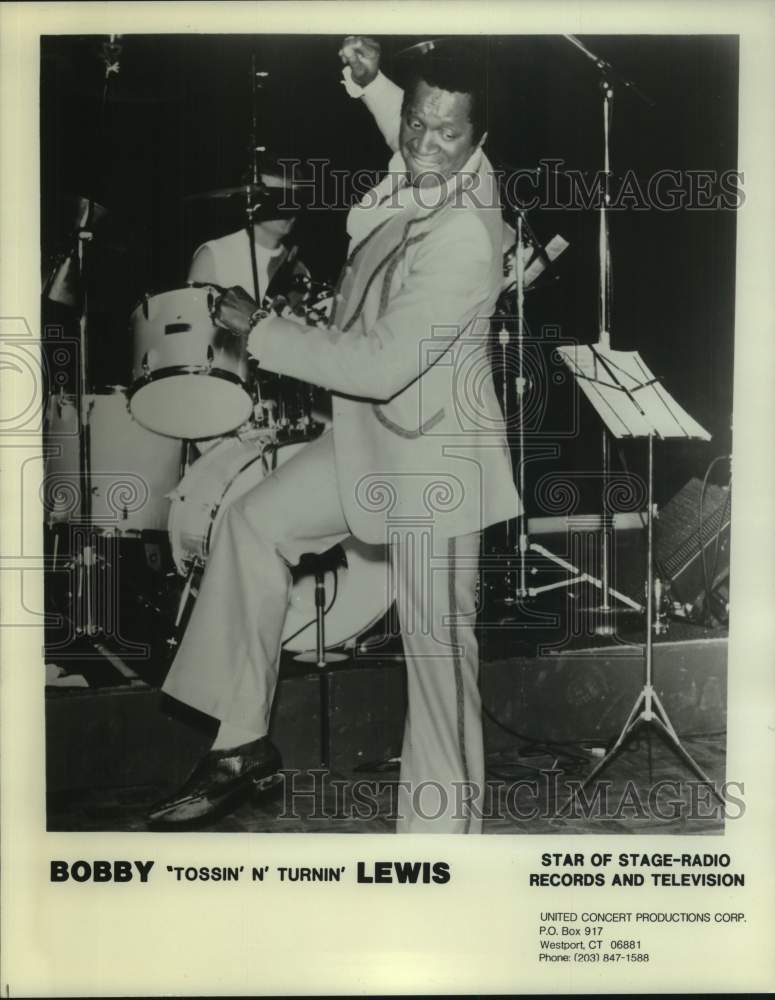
437 136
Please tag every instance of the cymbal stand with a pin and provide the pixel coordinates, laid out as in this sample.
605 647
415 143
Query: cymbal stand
85 558
251 206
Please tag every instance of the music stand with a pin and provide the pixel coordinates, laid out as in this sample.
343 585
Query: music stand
632 403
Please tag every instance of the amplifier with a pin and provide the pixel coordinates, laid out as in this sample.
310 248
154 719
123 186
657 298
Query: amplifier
692 527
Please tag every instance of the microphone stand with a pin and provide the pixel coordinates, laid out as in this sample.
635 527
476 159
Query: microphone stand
520 385
610 72
606 626
607 74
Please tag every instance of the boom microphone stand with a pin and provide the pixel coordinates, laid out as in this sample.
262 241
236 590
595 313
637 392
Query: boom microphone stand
607 74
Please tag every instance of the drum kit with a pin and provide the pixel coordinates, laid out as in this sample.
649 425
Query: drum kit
197 426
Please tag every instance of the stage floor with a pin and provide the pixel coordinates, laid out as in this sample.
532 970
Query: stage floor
114 747
646 790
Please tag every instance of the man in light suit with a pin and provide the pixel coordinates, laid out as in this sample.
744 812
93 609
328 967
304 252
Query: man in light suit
417 460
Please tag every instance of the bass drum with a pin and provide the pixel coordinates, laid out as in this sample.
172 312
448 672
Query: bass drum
358 587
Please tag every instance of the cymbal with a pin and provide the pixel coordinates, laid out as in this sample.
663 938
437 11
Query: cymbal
268 184
450 47
63 281
79 212
419 48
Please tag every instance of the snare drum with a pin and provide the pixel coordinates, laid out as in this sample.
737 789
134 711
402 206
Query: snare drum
358 590
190 381
132 470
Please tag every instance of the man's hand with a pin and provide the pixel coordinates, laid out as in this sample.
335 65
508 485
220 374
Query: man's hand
232 311
361 54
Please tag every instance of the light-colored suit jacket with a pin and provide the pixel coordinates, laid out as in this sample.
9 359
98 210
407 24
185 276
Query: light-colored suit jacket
418 431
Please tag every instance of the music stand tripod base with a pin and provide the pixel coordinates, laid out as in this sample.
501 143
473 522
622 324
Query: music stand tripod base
648 709
633 403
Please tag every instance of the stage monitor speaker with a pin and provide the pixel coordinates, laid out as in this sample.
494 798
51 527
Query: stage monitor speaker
692 528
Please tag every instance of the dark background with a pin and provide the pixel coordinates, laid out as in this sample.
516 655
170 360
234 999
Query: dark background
176 120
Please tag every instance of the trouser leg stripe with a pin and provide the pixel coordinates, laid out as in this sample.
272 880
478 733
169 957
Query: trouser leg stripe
457 665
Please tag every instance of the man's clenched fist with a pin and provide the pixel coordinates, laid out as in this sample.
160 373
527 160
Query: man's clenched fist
361 54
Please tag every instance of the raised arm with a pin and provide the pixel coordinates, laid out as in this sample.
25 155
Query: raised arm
362 78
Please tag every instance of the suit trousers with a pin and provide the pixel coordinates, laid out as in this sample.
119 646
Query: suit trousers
228 660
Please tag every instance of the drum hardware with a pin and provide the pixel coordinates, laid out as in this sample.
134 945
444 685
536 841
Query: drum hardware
188 591
287 405
320 656
267 186
73 214
255 150
234 191
420 48
67 285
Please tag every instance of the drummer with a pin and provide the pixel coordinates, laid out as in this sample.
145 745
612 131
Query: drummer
281 276
227 261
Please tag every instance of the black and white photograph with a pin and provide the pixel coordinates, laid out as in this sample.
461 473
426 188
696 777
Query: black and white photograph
366 360
387 451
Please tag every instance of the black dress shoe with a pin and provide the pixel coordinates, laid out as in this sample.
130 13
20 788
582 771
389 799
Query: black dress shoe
219 783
